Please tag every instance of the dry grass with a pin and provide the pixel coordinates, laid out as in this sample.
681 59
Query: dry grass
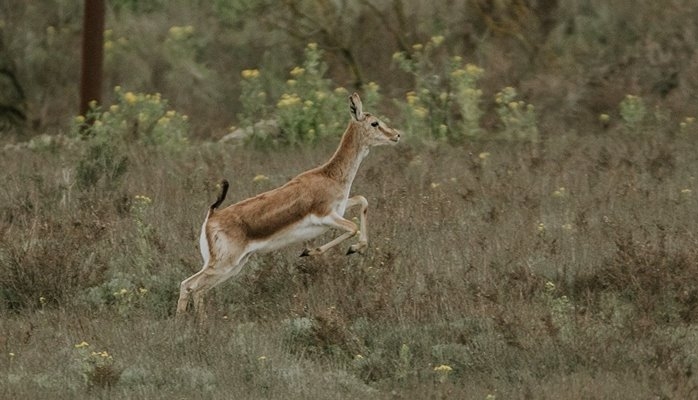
564 269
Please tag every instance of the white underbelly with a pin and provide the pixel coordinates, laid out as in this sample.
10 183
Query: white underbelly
306 229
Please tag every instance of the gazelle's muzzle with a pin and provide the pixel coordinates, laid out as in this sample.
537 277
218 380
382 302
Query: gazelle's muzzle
396 137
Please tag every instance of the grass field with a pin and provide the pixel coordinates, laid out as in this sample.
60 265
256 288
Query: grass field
533 236
563 269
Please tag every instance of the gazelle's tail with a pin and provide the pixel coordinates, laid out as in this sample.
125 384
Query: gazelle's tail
221 197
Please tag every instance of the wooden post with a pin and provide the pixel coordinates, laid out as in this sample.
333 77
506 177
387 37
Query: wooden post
92 54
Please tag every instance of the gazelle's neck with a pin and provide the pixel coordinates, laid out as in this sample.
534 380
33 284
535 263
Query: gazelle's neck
346 159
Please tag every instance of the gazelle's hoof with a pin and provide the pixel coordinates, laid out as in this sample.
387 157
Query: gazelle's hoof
305 253
357 248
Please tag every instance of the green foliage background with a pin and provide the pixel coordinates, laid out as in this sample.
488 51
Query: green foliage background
532 237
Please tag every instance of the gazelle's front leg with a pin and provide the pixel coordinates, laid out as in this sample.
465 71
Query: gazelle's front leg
339 222
363 216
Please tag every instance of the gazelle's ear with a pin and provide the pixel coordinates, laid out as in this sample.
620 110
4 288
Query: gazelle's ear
356 108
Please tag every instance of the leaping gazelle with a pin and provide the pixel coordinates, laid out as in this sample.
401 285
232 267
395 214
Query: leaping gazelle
302 209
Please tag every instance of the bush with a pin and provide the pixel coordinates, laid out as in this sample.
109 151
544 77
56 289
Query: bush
307 111
136 119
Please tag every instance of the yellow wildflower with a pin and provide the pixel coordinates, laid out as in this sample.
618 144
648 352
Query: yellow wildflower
411 98
250 73
443 368
297 71
260 178
484 155
549 286
437 40
473 70
180 32
130 98
143 199
457 73
421 112
417 47
312 46
81 345
288 100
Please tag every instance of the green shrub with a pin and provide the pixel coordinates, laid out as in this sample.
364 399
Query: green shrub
445 102
633 113
308 109
518 118
136 119
97 368
427 112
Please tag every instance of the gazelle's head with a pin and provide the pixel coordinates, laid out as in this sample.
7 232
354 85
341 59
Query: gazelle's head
373 131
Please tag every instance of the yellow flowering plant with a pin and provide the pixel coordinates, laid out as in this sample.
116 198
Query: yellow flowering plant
97 368
253 98
307 109
136 118
633 113
518 118
443 84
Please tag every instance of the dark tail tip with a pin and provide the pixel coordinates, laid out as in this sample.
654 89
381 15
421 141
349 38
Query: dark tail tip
221 196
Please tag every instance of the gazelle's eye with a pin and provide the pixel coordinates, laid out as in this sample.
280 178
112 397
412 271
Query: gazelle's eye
374 124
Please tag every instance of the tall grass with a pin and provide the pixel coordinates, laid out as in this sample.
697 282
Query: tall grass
531 238
511 269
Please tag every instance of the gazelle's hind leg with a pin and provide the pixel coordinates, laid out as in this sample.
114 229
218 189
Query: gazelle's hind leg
210 276
186 288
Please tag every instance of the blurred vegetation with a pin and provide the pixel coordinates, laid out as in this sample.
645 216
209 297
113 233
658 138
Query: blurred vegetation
533 236
573 59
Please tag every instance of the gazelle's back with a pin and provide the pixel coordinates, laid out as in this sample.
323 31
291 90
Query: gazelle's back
262 216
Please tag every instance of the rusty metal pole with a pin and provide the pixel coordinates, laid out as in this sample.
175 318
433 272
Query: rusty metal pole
92 54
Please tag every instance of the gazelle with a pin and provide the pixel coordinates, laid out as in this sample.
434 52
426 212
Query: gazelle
302 209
